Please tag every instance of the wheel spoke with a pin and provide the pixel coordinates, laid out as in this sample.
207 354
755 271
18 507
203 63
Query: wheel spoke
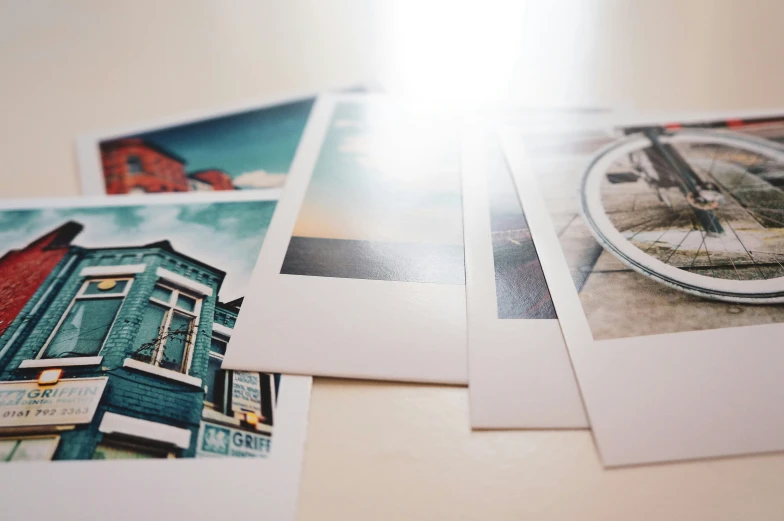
745 249
774 258
639 224
678 246
700 247
673 221
655 212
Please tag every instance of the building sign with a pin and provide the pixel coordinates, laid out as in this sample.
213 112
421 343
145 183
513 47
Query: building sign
219 440
246 392
24 404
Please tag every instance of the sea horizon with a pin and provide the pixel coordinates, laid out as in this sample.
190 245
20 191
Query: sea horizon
375 260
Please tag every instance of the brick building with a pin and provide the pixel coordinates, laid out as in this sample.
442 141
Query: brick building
23 271
116 354
133 165
210 179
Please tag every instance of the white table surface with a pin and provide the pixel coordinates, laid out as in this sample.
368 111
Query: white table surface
388 451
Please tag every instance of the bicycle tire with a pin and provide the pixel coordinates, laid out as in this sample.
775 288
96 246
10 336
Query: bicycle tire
764 291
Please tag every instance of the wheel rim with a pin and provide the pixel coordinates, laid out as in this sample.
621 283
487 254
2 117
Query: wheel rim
765 286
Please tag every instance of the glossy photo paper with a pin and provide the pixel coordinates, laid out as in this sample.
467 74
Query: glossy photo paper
115 319
245 146
515 347
362 274
662 247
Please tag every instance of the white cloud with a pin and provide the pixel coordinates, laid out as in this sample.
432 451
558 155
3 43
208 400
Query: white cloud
260 179
216 244
423 161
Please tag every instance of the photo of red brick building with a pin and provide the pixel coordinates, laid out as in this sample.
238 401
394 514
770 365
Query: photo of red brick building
214 178
133 165
247 150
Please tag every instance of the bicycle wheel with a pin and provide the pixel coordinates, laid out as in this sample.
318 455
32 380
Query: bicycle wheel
636 211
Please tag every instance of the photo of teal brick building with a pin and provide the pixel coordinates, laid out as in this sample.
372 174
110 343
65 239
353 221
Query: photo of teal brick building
115 352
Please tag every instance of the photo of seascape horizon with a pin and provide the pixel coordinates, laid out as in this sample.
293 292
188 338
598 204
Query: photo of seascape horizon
384 201
373 260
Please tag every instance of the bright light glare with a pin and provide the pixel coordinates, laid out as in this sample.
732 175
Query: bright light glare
49 376
447 51
453 53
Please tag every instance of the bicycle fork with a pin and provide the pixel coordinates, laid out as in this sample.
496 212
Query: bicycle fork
688 181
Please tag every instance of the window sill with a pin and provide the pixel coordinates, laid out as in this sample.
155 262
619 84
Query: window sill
60 362
212 414
113 423
112 271
215 416
163 373
223 330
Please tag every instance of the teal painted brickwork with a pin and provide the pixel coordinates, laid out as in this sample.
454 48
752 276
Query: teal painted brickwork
128 392
225 317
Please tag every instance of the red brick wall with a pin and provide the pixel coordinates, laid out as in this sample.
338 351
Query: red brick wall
23 271
160 172
218 179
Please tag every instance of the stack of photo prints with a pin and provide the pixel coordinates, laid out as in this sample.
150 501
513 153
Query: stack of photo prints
576 269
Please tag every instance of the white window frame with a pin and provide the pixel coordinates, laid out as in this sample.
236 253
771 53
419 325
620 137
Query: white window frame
80 295
222 331
55 437
224 414
171 309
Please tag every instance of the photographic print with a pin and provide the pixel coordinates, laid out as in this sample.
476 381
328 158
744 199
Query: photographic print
383 203
515 344
114 323
670 235
648 256
243 149
366 249
521 290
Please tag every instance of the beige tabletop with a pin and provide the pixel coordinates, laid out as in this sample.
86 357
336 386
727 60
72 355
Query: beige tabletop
379 451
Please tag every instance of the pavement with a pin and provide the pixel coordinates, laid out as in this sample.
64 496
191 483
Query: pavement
618 301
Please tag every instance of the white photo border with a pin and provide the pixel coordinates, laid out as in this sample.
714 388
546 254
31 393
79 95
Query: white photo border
88 152
520 375
666 397
199 487
352 328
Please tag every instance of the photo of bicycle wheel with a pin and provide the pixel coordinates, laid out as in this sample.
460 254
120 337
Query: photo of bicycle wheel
675 228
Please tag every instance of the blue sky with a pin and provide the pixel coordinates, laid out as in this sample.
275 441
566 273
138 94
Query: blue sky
226 235
385 175
251 141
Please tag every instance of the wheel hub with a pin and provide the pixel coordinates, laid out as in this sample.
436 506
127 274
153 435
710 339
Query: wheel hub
708 197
